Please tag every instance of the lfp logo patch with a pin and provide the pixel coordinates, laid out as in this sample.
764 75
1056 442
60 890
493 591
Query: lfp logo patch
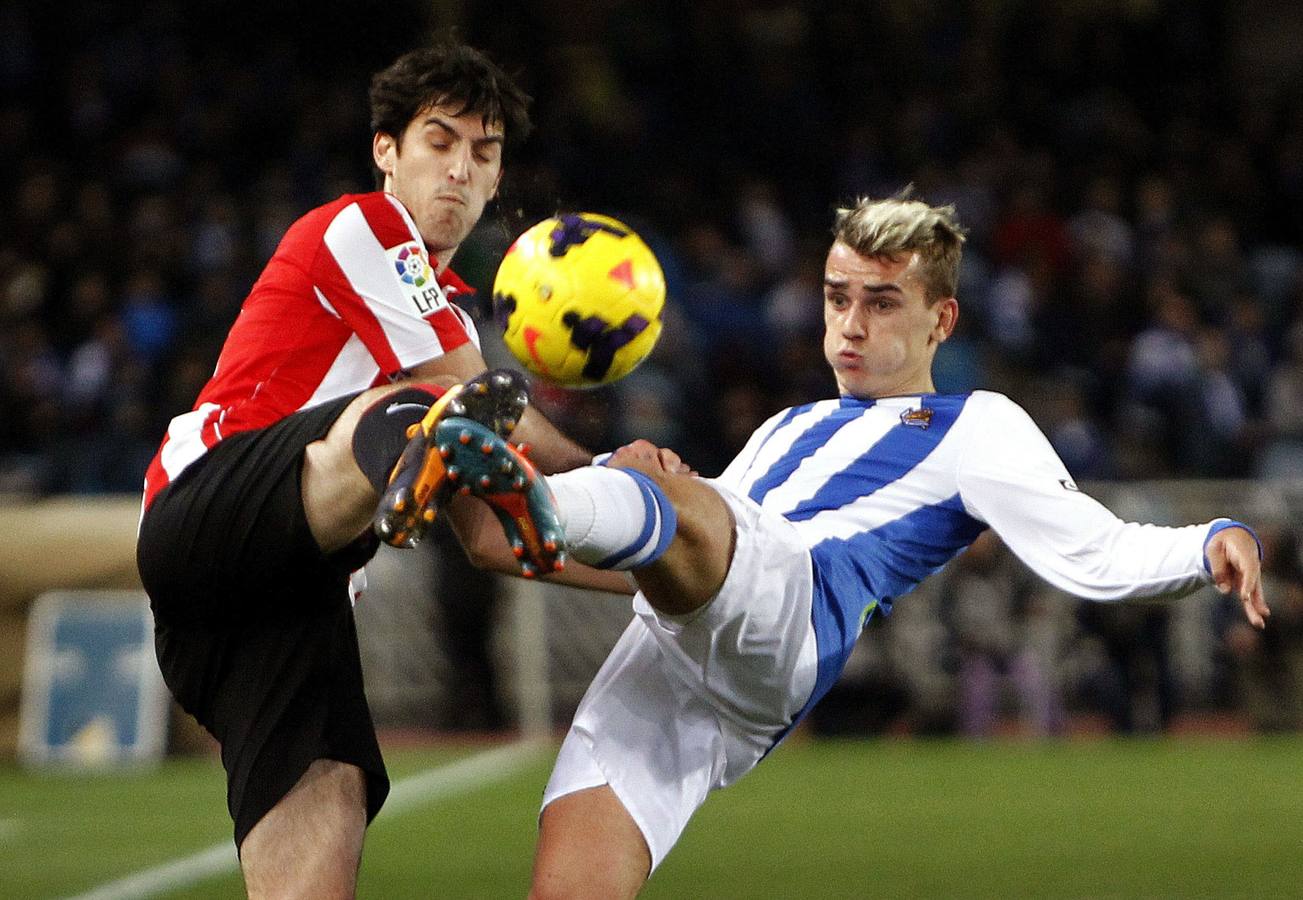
413 268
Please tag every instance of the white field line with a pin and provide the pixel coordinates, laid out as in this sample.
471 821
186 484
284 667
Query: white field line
459 777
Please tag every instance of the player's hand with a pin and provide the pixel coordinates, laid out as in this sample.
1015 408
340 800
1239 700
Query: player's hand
1233 561
646 457
673 463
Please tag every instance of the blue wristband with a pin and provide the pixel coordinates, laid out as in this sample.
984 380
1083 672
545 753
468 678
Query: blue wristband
1222 525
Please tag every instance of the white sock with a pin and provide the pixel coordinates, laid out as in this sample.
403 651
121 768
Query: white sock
613 518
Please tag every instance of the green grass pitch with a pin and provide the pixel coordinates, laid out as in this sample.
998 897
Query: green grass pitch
899 818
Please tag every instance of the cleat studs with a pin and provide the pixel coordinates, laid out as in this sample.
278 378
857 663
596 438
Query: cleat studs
465 436
400 537
518 483
428 515
527 570
400 504
453 473
445 451
505 467
517 549
481 388
509 424
559 564
549 545
464 490
485 481
486 448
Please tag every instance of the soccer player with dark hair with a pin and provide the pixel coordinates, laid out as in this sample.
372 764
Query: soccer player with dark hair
259 505
755 586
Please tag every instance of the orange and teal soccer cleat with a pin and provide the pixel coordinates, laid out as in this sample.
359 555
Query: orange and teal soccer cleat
480 463
495 399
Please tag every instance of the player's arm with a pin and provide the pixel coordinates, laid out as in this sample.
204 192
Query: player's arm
551 450
1011 478
486 547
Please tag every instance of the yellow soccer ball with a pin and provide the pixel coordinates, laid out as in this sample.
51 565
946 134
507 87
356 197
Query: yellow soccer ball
579 299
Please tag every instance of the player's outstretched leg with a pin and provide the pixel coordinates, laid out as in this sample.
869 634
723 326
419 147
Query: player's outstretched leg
474 460
495 399
672 530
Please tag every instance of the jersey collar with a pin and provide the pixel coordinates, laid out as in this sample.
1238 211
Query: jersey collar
452 284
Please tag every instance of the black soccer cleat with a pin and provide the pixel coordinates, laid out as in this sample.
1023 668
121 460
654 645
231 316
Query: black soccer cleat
495 399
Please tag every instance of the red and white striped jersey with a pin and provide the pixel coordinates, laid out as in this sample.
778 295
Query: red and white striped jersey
348 301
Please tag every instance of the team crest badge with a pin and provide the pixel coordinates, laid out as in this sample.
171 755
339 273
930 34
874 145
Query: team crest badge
917 418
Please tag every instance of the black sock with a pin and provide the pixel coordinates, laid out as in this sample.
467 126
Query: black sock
381 432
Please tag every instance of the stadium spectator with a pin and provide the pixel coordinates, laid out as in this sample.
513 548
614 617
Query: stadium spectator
1098 229
1135 686
1283 457
1268 665
1074 432
989 613
1162 369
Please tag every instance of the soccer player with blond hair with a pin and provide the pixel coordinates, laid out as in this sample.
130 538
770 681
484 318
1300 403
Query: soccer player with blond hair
754 586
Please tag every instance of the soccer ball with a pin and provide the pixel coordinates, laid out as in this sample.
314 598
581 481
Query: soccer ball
578 298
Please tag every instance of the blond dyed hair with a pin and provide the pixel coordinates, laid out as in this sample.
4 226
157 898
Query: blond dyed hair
900 225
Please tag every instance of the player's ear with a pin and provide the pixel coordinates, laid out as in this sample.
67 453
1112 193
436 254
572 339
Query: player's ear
383 150
947 309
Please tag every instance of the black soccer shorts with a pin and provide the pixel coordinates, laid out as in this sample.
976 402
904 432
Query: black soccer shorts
254 626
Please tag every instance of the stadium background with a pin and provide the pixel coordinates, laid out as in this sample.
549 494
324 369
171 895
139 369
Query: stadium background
1131 174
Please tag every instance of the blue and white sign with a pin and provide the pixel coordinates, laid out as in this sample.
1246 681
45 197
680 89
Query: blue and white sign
92 692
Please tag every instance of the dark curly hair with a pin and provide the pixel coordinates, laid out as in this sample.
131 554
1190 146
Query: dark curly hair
450 74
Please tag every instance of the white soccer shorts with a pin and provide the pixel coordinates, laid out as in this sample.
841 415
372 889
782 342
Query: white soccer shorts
682 708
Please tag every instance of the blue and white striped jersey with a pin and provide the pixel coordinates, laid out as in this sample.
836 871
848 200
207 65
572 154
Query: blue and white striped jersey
885 492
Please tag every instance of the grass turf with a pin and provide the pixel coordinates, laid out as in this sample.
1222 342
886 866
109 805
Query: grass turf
1163 818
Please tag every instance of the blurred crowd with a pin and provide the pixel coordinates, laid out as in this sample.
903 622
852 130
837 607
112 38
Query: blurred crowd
1131 175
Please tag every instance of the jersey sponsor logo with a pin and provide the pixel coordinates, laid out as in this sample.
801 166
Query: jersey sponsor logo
418 279
917 418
